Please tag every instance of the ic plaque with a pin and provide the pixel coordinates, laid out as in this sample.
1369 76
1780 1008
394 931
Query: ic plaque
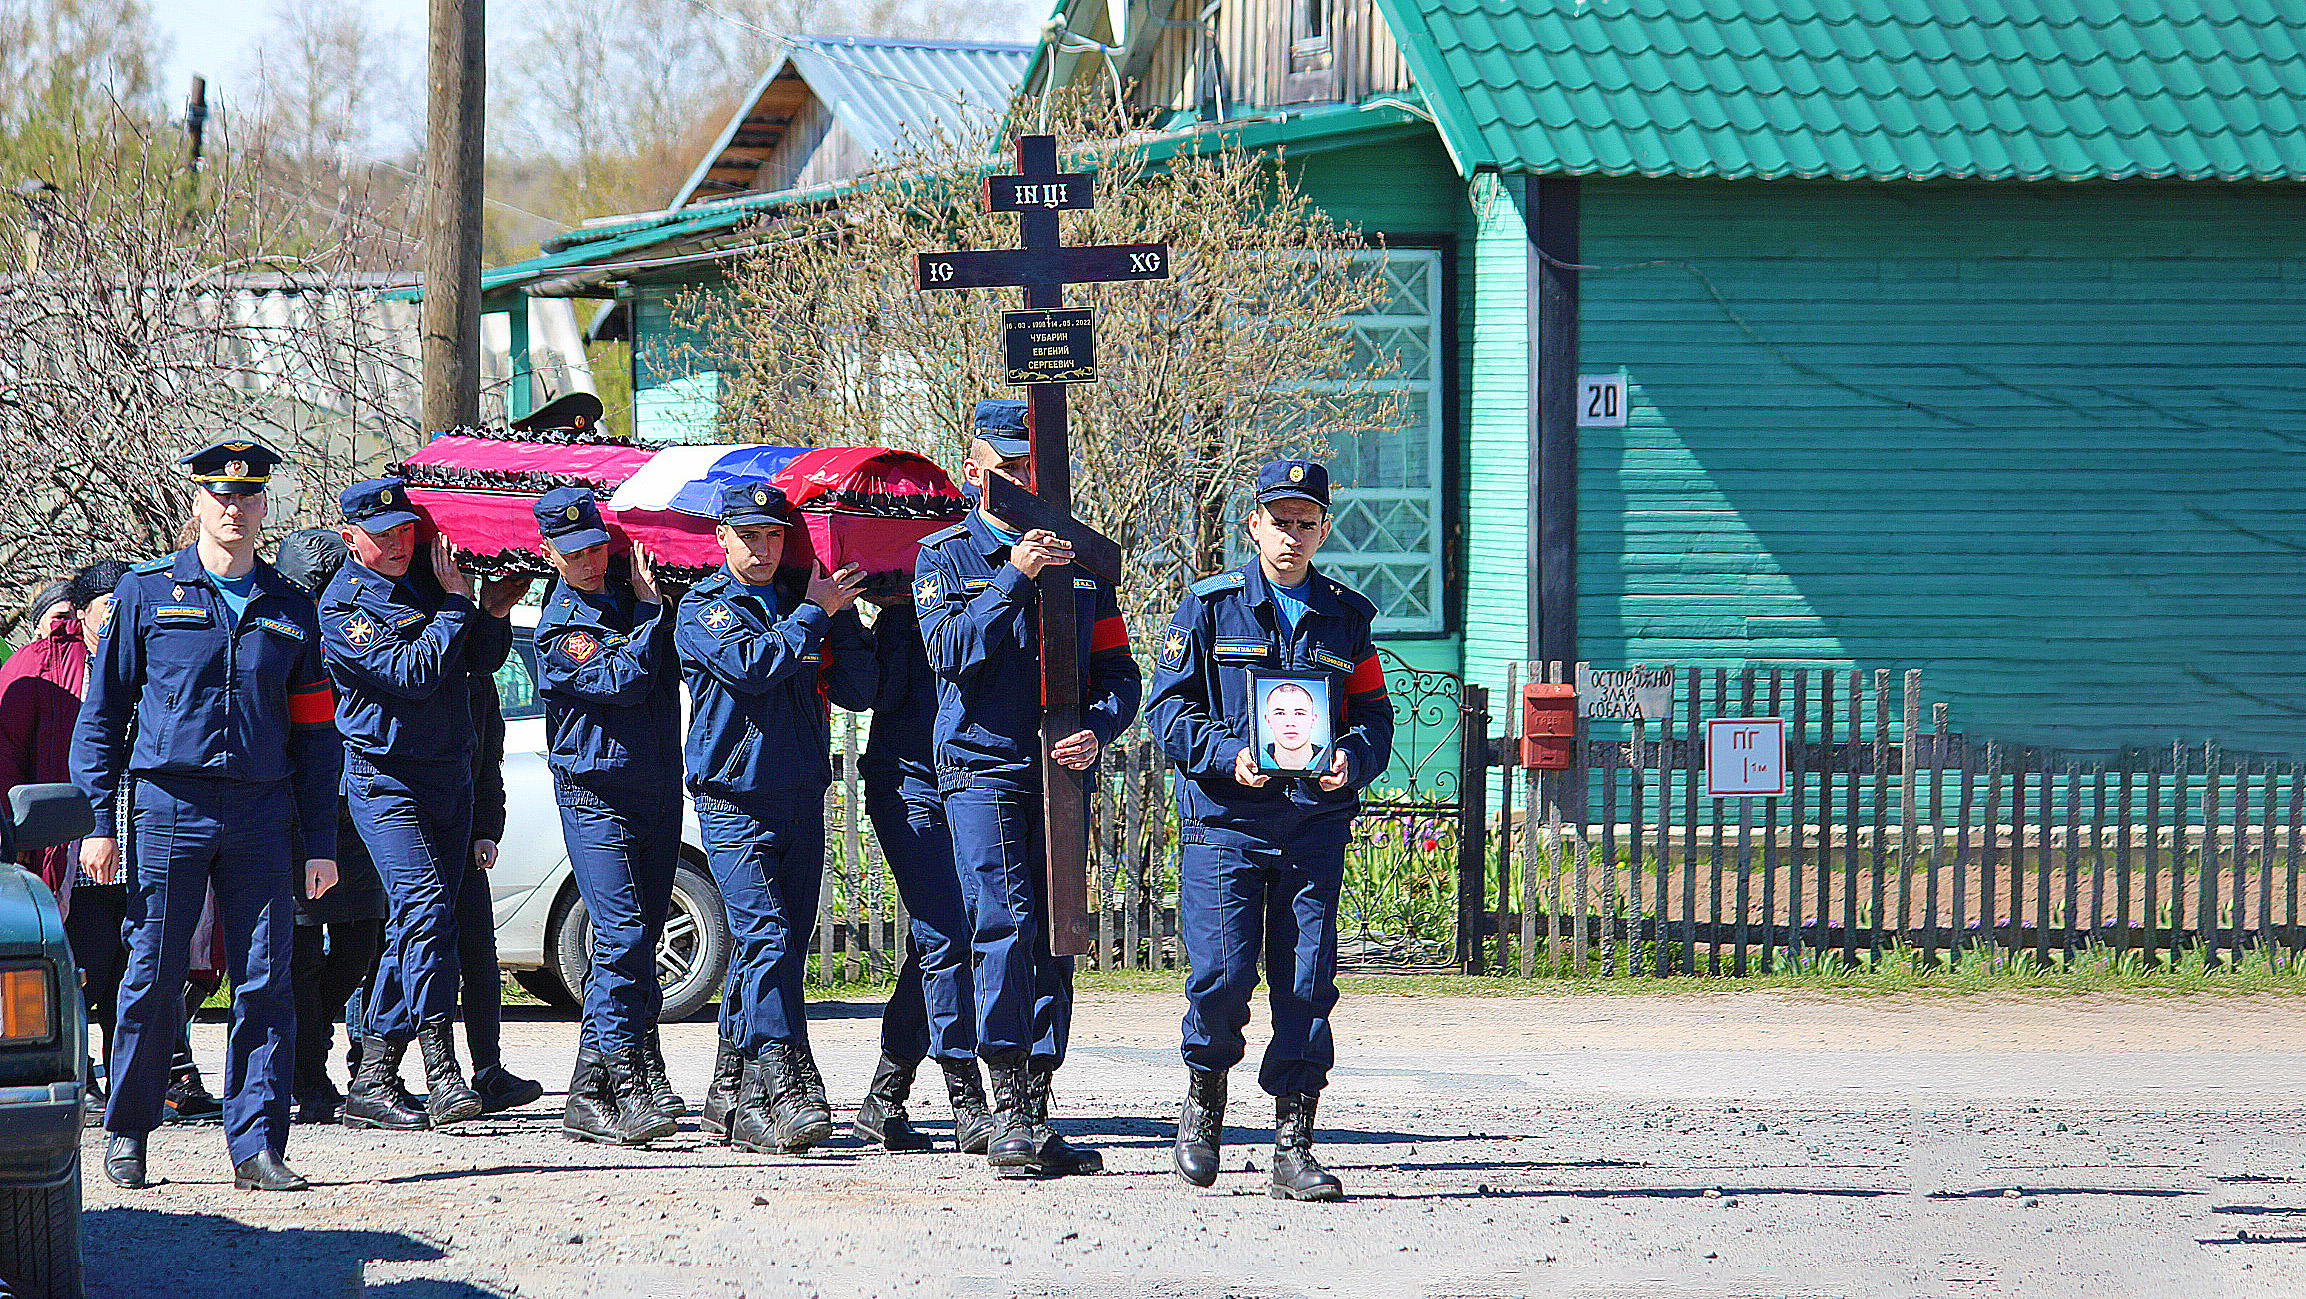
1055 345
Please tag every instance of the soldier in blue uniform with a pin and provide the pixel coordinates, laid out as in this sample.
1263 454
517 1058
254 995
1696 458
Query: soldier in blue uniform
932 1011
611 687
979 614
402 651
209 697
761 659
1261 857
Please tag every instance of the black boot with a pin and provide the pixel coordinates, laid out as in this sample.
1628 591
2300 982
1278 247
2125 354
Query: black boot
668 1102
812 1083
447 1098
752 1124
1297 1175
1201 1126
972 1122
721 1097
800 1119
639 1119
317 1098
378 1099
124 1161
591 1114
188 1097
881 1115
1015 1148
264 1171
501 1089
1059 1157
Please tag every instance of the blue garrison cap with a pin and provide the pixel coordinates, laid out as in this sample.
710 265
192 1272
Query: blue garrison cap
377 505
1001 422
233 467
754 502
569 519
1303 480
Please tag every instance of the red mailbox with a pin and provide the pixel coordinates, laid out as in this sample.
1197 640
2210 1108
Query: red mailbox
1548 727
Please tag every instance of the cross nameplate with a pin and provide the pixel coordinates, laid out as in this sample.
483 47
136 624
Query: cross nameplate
1042 267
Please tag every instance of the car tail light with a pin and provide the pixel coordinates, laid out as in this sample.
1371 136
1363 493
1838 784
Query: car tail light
26 1012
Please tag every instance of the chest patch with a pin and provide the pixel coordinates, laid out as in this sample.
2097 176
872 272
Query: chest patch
1331 661
579 646
288 629
181 615
978 583
1240 649
407 619
1084 584
359 630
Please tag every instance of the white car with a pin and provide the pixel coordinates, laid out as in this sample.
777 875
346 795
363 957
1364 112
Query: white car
543 934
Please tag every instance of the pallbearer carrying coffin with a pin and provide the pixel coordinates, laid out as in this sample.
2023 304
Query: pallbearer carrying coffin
611 687
1261 855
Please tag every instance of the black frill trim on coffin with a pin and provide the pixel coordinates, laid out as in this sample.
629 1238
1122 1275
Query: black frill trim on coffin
597 435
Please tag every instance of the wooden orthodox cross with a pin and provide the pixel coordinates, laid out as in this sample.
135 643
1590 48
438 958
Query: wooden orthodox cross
1049 347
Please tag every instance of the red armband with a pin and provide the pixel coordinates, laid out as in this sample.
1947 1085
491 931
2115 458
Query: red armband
1367 676
312 705
1110 633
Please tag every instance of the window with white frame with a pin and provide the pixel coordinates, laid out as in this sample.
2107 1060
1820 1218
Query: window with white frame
1385 496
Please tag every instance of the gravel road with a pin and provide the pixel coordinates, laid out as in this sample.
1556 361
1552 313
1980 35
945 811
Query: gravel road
1668 1146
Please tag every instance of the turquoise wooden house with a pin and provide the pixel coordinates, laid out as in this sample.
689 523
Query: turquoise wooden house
1961 336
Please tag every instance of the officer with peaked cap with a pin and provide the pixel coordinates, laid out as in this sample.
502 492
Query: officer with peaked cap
208 696
611 687
762 657
980 622
1261 856
403 650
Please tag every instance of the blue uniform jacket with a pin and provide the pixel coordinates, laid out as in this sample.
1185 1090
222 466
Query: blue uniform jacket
248 702
759 681
1202 713
611 685
403 653
901 748
980 621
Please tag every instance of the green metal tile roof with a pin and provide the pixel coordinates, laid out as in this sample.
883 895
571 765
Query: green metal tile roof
1866 89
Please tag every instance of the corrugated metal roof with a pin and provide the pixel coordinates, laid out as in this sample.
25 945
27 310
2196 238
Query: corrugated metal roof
1866 89
886 91
882 90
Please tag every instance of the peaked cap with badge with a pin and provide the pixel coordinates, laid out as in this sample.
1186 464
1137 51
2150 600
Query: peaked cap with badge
1001 422
746 504
569 520
376 505
1299 480
233 466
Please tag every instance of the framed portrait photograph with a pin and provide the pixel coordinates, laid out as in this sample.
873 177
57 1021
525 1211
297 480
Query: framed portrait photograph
1291 734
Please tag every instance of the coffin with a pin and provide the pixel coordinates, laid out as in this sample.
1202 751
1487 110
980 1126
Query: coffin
869 506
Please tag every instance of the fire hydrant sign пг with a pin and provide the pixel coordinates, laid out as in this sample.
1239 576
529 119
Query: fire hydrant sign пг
1745 757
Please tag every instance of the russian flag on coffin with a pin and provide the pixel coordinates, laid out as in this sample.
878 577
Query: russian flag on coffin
868 506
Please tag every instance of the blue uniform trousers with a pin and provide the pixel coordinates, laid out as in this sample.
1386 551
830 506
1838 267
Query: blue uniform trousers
1024 994
187 833
931 1011
418 828
624 840
480 980
768 865
1235 903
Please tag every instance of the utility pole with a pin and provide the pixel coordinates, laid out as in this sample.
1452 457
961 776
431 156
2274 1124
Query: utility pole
196 122
452 196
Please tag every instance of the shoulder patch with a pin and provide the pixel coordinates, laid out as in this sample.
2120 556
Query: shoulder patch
1230 580
717 616
928 590
579 646
359 630
1173 648
159 565
943 535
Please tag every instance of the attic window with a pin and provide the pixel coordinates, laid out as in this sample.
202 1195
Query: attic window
1309 24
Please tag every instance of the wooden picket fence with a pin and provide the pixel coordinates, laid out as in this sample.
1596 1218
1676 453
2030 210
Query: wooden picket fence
1895 839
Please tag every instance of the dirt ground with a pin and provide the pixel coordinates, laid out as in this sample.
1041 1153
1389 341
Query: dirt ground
1715 1144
